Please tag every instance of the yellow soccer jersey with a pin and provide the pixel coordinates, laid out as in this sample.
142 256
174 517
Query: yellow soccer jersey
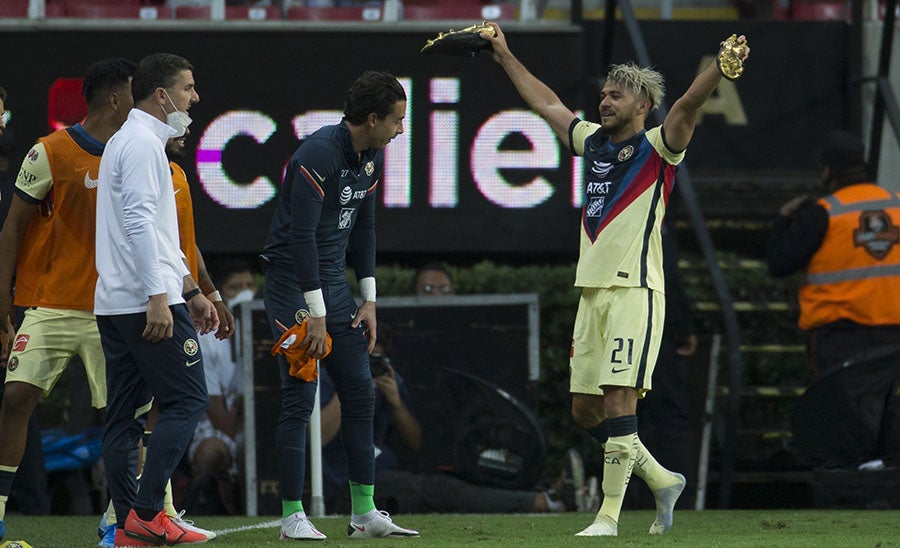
626 189
35 178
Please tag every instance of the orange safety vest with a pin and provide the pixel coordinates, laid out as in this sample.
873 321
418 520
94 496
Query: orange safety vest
55 267
855 274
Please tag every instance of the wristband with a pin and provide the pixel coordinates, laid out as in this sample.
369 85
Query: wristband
367 288
315 302
214 297
191 294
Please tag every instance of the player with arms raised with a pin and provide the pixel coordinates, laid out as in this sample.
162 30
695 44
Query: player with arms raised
629 174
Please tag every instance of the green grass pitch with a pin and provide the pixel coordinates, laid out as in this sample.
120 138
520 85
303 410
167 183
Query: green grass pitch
710 528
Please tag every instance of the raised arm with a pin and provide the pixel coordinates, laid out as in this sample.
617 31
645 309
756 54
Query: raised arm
682 118
540 98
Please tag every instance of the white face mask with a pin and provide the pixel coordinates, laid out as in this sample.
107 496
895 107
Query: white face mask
244 296
177 120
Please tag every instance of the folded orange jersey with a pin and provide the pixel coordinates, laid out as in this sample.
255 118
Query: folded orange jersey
302 366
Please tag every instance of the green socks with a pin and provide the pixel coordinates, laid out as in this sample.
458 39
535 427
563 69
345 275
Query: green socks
290 507
361 501
361 498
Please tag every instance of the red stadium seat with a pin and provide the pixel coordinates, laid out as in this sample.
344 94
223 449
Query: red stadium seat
820 11
55 8
811 10
338 13
14 8
76 8
253 13
192 12
471 11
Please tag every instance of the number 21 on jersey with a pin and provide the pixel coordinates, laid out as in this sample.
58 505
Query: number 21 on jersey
623 351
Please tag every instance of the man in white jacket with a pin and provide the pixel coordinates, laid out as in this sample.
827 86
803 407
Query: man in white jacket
148 307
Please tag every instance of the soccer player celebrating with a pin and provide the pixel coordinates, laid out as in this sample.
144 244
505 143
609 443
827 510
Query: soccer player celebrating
327 206
629 175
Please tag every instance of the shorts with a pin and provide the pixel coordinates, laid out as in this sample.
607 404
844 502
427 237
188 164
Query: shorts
45 344
616 339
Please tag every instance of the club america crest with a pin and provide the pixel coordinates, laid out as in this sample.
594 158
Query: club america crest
370 168
300 316
625 153
190 347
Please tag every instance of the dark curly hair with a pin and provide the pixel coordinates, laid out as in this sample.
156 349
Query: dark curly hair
374 91
104 76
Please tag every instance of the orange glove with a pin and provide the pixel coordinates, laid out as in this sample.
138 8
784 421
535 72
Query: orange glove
302 366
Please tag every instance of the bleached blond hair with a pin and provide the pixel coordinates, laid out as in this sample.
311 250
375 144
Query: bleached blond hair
643 83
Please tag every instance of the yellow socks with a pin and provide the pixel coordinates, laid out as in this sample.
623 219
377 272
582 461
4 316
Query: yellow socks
168 503
650 470
618 461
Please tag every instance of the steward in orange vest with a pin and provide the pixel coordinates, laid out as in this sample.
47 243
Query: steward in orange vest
848 246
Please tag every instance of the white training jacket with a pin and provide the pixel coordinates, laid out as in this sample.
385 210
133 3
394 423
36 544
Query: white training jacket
138 253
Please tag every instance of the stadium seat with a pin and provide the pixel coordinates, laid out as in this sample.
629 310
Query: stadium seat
76 8
192 12
810 10
337 13
55 8
471 11
14 8
253 13
820 11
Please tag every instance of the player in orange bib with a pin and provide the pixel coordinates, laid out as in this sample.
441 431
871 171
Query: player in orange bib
48 241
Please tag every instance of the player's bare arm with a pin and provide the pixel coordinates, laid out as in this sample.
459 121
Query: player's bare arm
7 337
682 118
540 98
365 315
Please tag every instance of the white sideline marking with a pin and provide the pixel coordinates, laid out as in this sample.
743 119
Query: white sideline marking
277 523
264 525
